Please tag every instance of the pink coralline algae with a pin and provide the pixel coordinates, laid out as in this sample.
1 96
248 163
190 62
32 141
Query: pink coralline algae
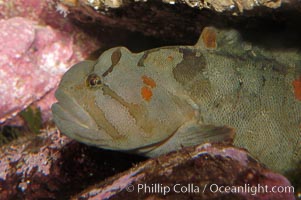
37 46
31 59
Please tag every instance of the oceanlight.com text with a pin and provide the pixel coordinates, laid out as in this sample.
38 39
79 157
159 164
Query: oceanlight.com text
158 188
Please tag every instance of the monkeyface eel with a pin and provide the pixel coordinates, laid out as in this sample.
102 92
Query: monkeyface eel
163 99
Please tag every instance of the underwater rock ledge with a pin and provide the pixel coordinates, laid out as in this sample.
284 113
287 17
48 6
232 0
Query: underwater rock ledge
54 167
193 173
51 166
172 19
232 6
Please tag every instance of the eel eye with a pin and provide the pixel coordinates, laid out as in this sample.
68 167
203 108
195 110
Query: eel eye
93 80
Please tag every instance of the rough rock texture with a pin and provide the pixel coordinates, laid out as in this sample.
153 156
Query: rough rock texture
38 46
198 172
231 5
50 166
32 58
177 21
218 6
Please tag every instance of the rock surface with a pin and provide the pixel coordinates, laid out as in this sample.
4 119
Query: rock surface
203 172
176 20
38 46
32 59
50 166
218 6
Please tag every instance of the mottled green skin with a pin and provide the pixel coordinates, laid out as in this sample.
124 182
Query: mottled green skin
198 89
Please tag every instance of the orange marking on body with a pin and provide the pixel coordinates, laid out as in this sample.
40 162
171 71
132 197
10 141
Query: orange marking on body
209 38
149 81
146 93
297 88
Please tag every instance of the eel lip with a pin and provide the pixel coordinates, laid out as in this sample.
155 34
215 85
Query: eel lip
67 109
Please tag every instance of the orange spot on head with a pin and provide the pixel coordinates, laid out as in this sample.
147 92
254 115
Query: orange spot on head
170 58
209 37
148 81
297 88
146 93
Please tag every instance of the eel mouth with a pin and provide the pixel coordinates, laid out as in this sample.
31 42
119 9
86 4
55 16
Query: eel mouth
68 109
74 121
